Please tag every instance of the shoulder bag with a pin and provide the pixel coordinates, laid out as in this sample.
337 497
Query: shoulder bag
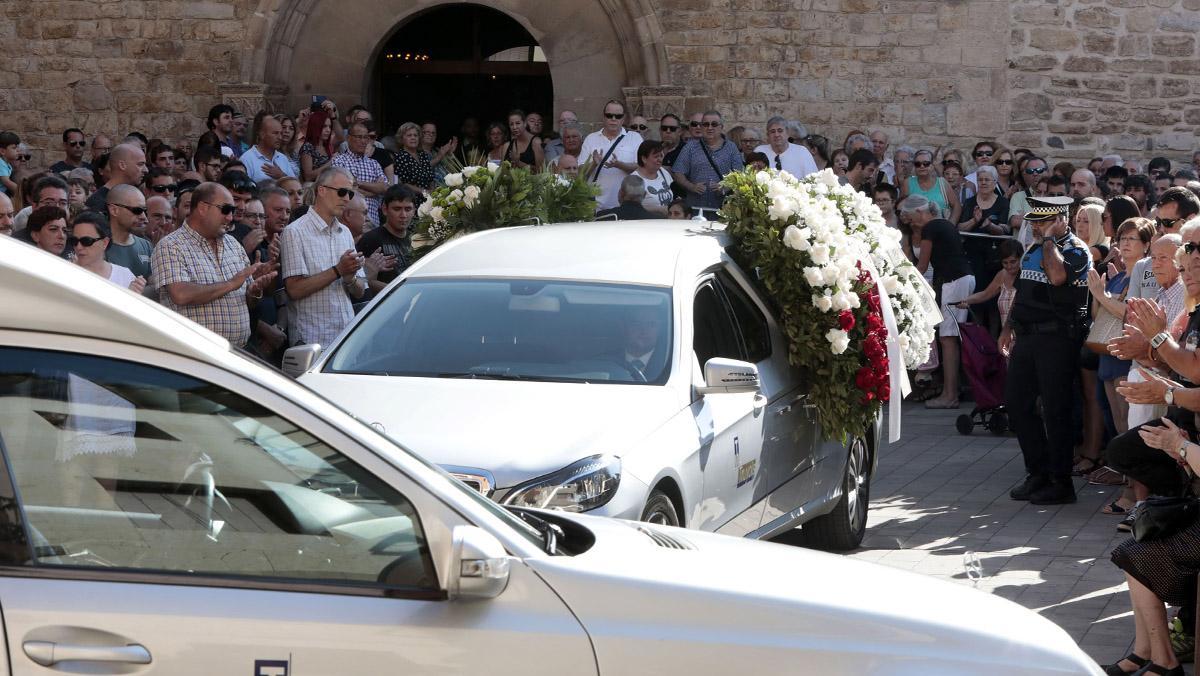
1160 518
1105 327
599 167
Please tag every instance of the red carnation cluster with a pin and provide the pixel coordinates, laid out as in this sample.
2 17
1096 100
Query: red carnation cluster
873 378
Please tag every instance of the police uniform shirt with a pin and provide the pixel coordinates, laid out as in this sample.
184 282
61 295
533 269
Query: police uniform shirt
1038 300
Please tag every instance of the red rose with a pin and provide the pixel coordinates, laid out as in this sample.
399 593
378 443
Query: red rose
864 379
846 320
875 323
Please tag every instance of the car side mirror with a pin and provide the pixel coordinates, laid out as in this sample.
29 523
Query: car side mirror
479 565
729 376
297 360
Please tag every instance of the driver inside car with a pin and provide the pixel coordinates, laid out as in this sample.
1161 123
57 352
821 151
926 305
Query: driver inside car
643 356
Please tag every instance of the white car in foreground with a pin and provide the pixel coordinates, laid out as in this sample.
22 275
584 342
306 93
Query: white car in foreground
623 369
170 507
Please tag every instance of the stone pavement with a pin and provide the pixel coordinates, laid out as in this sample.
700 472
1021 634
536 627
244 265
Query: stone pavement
940 499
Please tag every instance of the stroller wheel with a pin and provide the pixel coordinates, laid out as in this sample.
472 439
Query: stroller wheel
998 423
964 424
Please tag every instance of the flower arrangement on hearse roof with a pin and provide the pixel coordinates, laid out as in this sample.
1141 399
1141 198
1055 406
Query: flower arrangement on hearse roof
822 252
490 196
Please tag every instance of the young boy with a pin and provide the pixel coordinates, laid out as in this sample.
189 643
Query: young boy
10 147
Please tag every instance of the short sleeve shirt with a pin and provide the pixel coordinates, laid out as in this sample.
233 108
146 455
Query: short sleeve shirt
186 256
310 246
694 165
364 170
135 256
1038 300
610 178
1142 283
382 239
795 160
255 161
658 193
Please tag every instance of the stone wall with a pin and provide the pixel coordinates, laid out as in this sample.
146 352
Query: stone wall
1074 76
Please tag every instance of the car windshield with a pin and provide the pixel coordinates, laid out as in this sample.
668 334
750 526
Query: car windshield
508 329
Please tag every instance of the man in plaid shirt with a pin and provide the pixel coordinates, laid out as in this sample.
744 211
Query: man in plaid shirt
204 274
368 175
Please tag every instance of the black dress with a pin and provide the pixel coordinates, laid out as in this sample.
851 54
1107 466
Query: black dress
1168 567
416 171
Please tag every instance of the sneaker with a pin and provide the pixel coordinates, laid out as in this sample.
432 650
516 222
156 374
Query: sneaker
1126 525
1183 644
1055 492
1031 484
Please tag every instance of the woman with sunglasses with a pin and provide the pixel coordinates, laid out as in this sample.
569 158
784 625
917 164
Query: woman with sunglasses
88 241
932 187
525 149
983 153
1006 179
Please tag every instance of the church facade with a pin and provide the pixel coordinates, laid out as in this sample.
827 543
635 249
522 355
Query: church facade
1073 77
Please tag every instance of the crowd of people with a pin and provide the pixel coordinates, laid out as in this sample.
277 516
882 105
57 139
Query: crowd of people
270 231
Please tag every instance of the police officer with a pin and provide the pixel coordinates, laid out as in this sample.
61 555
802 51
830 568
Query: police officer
1044 334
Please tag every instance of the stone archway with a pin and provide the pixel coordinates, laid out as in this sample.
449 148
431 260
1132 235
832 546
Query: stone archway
596 48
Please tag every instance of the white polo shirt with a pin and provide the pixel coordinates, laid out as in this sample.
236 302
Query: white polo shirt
795 160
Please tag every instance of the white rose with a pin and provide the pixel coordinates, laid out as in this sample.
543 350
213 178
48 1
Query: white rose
471 195
762 178
423 210
437 214
469 171
832 275
814 276
794 238
838 339
841 301
891 285
454 180
455 195
781 209
820 254
824 303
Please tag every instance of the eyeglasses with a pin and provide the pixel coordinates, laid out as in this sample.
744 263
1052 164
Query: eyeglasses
693 124
667 127
614 116
1166 223
225 209
638 127
360 137
50 202
1134 239
136 211
87 242
24 158
254 217
922 165
1190 248
710 124
985 153
1004 163
170 187
346 193
77 144
1031 171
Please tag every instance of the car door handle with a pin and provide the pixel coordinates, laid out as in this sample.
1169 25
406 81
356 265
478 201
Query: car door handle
760 401
48 653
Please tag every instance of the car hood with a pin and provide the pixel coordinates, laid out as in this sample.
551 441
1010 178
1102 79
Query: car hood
515 430
714 604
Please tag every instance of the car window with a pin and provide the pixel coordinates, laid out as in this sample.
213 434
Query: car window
751 323
713 327
120 465
513 329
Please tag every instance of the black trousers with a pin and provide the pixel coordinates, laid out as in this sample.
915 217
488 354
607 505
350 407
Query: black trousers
1130 456
1043 364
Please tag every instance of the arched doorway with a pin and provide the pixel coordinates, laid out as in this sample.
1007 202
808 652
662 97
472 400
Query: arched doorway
458 61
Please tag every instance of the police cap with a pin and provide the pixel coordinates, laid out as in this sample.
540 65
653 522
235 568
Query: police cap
1046 208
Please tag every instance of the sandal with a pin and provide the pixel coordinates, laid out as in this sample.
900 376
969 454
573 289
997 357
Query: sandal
1115 670
1116 509
1093 465
1105 476
1153 668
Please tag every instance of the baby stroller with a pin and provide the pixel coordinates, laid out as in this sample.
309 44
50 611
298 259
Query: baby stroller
986 370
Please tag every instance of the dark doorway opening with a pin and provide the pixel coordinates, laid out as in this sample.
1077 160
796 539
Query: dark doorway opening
459 61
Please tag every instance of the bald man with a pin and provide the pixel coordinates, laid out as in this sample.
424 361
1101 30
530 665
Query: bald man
160 215
1083 184
354 216
6 215
126 166
127 219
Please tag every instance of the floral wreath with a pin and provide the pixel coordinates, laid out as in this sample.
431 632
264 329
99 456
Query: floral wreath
824 254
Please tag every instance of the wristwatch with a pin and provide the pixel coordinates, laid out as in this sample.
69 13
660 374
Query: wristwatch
1159 339
1169 397
1183 451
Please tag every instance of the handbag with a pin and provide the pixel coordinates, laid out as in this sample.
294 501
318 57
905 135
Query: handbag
1160 518
1105 327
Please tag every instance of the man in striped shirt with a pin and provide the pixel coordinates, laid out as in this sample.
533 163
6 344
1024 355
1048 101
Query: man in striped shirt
368 175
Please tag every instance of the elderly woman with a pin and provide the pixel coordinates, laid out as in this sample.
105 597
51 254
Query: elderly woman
414 166
932 187
1164 570
941 247
658 180
987 212
47 228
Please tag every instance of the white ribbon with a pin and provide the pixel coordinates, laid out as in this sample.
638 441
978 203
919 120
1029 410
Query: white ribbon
897 374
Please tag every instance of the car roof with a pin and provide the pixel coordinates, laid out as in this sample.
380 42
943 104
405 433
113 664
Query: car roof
45 293
630 252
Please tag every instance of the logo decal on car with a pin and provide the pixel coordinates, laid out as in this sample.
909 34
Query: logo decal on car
273 667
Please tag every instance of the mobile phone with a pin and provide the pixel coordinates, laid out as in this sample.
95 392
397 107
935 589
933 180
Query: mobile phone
318 99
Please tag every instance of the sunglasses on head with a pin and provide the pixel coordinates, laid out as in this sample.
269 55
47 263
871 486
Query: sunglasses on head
77 144
85 241
638 127
225 209
985 153
1035 170
615 116
342 192
170 187
136 211
1004 162
667 127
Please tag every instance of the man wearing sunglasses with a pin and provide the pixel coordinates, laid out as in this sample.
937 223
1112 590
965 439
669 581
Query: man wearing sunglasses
613 154
74 144
703 164
126 211
204 274
321 270
160 182
670 130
